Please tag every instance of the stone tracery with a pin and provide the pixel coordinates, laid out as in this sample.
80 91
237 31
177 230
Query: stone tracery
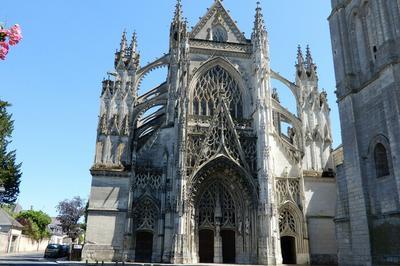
215 84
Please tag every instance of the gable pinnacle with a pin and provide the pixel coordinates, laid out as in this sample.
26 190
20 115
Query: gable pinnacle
259 24
300 58
178 11
309 59
133 45
123 44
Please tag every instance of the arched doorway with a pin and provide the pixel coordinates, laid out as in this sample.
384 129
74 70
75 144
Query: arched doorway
144 246
291 233
288 247
145 222
217 225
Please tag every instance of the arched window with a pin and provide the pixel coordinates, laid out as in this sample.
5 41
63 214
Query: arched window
217 83
358 36
219 34
217 195
287 223
381 160
146 215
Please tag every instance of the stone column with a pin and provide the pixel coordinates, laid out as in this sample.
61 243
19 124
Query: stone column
217 244
217 236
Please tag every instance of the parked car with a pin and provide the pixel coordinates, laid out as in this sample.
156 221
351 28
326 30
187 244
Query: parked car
56 251
52 251
64 251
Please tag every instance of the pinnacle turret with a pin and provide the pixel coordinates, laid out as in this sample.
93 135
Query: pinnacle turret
309 59
133 46
178 26
259 35
300 58
178 12
259 24
127 56
123 44
306 67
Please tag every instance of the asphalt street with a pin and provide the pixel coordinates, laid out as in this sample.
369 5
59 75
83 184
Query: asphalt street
35 258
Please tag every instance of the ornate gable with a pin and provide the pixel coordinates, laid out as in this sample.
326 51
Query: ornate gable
222 138
218 25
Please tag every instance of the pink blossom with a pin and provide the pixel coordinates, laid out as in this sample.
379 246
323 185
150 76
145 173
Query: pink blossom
3 50
14 34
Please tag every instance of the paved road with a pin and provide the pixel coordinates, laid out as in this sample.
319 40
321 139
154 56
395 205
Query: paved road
35 258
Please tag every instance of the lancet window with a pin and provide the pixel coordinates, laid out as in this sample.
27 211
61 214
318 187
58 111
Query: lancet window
381 160
146 215
287 223
217 83
215 197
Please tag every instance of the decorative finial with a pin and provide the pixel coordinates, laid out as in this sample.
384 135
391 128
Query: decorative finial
178 11
309 59
300 58
123 44
259 25
133 45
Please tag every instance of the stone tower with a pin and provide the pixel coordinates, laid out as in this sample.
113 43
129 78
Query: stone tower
365 41
201 168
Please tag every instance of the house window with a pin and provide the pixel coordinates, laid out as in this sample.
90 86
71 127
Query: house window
381 160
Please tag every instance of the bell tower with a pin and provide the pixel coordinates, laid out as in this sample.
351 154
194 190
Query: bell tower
365 43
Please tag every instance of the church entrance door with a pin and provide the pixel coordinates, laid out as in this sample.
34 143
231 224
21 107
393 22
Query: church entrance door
288 247
144 246
206 246
228 246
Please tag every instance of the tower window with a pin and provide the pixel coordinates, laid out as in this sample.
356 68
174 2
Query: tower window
381 160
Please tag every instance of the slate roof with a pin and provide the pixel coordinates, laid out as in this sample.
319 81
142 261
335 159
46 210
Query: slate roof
7 220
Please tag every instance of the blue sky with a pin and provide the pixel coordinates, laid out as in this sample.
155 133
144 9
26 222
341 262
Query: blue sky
53 77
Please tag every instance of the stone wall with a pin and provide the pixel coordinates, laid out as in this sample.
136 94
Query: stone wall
22 244
320 198
4 242
26 244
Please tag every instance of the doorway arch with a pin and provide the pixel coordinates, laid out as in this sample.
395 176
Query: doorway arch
216 219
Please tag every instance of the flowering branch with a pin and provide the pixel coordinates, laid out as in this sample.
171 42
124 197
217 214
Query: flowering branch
11 36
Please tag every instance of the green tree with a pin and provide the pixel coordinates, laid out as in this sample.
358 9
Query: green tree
10 171
35 224
69 214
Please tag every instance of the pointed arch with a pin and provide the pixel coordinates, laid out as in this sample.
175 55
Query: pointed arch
235 88
290 220
380 154
358 36
146 213
233 173
292 224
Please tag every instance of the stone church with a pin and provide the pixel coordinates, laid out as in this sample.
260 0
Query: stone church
366 41
209 166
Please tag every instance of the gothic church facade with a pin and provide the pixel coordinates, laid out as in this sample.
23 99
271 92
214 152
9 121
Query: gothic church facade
202 168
